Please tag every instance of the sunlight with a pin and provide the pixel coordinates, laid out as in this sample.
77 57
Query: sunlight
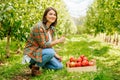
77 8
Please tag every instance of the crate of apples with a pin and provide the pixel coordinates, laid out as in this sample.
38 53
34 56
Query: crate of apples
81 64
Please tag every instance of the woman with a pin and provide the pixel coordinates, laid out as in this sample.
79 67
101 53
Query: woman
38 49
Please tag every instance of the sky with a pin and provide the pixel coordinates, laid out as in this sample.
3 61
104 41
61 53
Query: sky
77 8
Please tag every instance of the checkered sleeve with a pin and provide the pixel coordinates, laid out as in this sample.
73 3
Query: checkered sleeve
39 36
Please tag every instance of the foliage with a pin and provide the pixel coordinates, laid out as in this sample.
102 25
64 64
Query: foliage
18 16
103 17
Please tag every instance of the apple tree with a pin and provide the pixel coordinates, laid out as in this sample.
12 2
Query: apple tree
18 16
103 17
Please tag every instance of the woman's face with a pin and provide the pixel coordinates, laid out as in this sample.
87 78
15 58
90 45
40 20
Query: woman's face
51 16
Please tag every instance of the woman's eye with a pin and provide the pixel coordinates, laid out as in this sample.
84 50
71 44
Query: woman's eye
52 14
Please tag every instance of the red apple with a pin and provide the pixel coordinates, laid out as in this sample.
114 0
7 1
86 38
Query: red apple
85 58
76 64
82 56
72 64
72 59
79 59
85 63
79 64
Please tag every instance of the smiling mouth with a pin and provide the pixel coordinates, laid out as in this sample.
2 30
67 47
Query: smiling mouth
53 19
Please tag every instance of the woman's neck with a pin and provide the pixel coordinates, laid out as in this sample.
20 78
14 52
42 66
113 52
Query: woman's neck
48 24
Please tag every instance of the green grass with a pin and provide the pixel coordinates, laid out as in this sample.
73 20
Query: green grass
107 56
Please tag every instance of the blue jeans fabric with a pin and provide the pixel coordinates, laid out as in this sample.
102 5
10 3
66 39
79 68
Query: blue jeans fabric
48 60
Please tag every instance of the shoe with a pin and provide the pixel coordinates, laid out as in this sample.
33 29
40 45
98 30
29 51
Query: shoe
31 64
35 71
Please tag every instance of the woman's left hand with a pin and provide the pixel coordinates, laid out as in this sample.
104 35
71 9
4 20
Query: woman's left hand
60 59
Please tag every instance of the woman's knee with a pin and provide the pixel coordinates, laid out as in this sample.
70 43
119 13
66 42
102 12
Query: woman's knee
49 52
59 66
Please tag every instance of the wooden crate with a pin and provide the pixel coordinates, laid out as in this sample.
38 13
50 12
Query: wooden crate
82 69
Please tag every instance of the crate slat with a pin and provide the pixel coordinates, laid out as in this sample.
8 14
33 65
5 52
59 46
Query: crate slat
82 69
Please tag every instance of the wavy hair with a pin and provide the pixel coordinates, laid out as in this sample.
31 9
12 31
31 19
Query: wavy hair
44 20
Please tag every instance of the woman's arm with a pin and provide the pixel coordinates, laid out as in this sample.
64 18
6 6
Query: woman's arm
58 57
61 40
39 36
51 44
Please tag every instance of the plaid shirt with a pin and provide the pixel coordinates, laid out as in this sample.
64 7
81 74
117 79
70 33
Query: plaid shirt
38 40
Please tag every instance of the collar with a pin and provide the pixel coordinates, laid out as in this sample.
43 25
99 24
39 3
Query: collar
46 28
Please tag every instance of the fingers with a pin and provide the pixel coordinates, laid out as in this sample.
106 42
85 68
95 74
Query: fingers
62 39
60 59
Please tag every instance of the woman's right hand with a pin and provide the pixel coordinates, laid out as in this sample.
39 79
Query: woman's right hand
61 40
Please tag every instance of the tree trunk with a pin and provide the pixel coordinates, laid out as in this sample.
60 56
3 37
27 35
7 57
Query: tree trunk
8 47
109 39
117 39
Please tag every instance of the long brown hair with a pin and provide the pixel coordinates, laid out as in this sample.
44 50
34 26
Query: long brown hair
44 20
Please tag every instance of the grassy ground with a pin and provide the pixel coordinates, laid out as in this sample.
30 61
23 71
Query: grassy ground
106 55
